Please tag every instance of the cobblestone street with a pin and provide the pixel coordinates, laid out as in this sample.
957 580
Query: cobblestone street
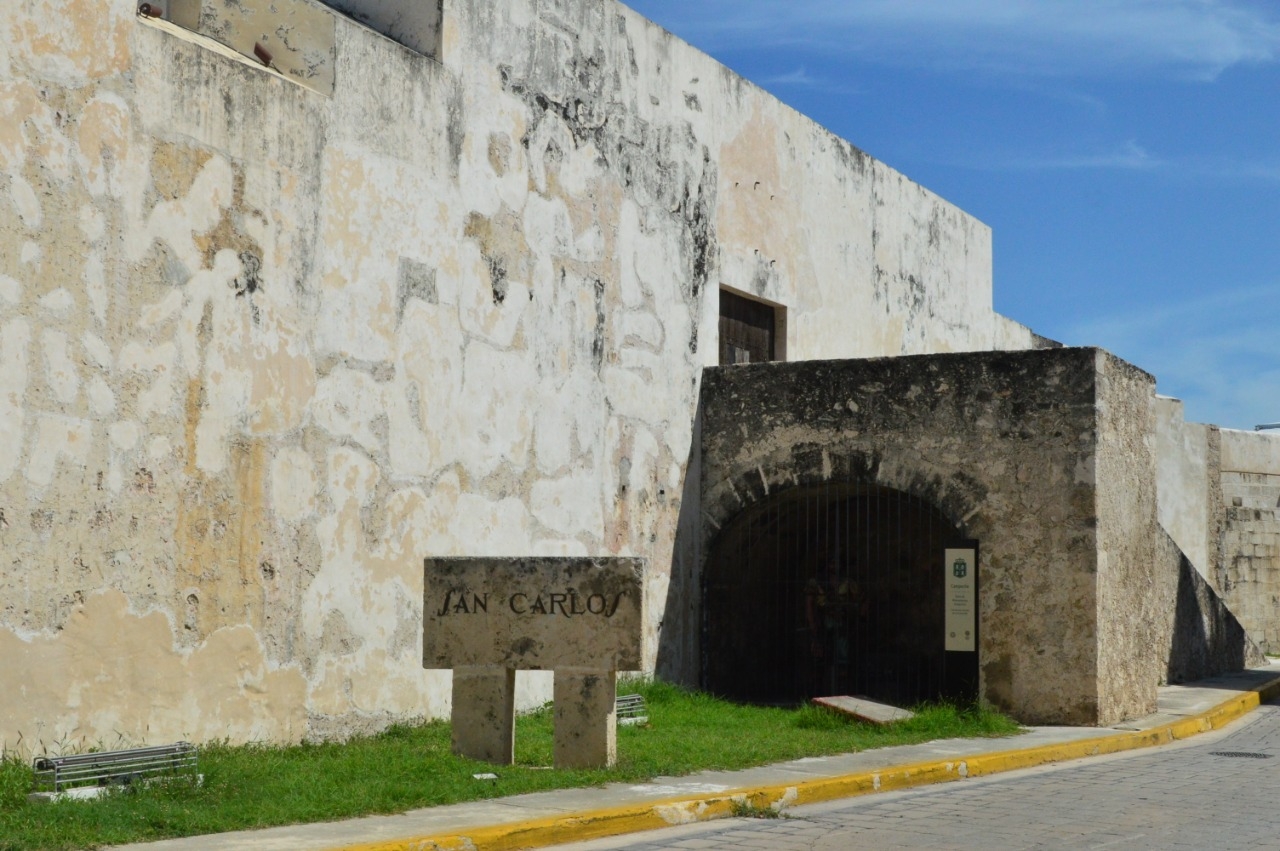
1219 790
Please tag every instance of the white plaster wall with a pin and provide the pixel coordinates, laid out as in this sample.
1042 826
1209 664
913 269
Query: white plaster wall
1255 452
1183 483
263 349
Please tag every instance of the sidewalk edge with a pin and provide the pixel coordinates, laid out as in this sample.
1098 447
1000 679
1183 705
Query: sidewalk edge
652 815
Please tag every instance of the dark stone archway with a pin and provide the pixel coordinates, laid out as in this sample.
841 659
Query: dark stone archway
834 588
1043 456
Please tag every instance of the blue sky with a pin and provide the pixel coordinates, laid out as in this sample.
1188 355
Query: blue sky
1126 154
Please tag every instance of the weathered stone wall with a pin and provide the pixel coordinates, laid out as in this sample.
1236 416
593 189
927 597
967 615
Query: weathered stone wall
1187 483
1219 497
265 346
1124 478
1248 572
1196 635
1011 447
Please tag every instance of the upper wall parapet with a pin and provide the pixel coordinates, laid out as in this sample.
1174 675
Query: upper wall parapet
296 38
417 24
1256 452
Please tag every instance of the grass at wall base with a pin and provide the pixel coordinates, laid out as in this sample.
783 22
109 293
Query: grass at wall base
411 766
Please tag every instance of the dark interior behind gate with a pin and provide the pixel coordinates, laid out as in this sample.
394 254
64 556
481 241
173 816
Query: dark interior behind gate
828 590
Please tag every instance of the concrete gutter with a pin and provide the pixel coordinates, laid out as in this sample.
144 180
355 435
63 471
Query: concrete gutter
551 818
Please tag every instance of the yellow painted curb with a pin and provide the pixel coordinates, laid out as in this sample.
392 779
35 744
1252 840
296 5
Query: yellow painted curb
652 815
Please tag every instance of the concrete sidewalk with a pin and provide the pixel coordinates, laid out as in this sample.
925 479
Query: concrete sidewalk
548 818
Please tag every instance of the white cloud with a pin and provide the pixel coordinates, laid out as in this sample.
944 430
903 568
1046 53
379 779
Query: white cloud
1199 37
1128 157
798 77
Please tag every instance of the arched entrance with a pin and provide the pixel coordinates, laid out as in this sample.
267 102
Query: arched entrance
833 589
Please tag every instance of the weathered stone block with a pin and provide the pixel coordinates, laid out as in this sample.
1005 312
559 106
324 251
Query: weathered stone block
585 718
485 728
533 614
487 617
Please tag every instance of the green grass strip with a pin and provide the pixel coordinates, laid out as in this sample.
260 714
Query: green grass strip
411 766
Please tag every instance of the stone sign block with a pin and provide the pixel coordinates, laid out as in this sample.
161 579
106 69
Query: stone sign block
488 617
533 614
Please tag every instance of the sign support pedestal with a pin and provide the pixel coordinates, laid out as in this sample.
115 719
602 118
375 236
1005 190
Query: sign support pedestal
484 714
581 618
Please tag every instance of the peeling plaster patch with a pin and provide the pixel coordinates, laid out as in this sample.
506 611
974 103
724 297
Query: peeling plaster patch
640 329
30 253
25 201
352 478
160 362
547 226
109 163
74 41
10 291
424 403
98 351
158 449
293 485
95 286
92 223
176 223
60 370
560 506
553 434
496 415
124 435
493 312
502 525
18 100
139 685
589 246
54 438
346 404
15 342
284 382
101 400
416 281
60 303
628 392
336 637
162 311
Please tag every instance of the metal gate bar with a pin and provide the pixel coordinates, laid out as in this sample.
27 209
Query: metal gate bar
833 589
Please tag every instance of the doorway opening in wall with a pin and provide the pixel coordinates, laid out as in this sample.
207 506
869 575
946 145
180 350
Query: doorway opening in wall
835 589
751 330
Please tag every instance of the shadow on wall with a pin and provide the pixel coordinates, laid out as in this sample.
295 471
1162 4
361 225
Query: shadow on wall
678 659
1206 638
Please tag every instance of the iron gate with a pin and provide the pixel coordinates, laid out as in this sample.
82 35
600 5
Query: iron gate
833 589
